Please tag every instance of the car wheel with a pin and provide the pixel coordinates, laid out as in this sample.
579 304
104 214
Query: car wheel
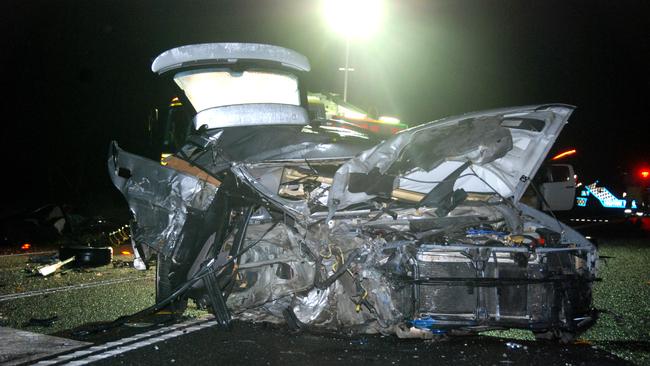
87 256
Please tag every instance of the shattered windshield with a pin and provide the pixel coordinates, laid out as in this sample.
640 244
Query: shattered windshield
209 88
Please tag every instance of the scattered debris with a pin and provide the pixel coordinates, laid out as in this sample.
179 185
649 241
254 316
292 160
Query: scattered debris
22 230
513 345
122 264
42 322
87 256
49 269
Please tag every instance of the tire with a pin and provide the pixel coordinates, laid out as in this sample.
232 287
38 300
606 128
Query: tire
87 256
165 285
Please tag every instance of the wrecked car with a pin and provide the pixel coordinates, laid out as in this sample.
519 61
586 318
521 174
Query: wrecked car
265 214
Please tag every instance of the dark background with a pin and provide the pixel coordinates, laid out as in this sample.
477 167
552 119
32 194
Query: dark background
76 74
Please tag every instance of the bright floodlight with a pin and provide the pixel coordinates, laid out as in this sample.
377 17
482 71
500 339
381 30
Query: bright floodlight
354 18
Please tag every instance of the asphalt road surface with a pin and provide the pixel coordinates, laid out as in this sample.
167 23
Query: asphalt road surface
264 344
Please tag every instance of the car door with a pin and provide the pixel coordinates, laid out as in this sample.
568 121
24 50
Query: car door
559 187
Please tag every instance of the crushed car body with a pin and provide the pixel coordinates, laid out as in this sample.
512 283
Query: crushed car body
267 215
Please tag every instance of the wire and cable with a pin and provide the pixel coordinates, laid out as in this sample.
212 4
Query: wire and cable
206 270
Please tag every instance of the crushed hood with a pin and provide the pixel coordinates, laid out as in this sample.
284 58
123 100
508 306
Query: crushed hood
496 151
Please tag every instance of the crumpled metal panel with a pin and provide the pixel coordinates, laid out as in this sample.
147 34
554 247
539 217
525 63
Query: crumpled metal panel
276 247
359 271
266 296
158 197
262 294
569 235
479 141
257 144
224 52
297 208
498 145
311 306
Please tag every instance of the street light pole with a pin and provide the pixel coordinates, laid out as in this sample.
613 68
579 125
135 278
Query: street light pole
347 68
353 19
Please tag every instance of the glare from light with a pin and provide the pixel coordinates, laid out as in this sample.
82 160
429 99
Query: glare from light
175 102
639 213
390 120
564 154
349 113
624 194
313 99
163 158
354 18
627 211
215 88
354 115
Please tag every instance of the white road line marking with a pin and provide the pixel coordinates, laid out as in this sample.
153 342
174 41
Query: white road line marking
114 348
80 286
23 254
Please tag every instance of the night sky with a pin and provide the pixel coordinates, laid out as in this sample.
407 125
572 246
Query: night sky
76 74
